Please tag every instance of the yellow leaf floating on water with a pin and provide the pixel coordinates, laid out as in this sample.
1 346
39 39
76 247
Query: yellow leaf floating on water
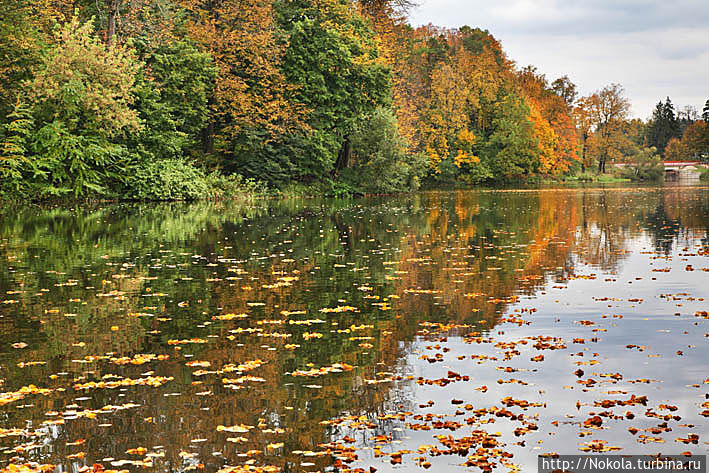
183 342
311 335
154 381
8 397
236 429
250 469
139 359
342 308
230 316
335 368
243 379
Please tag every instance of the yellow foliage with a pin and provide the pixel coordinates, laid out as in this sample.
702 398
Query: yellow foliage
464 157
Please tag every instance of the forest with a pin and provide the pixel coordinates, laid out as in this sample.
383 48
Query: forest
187 99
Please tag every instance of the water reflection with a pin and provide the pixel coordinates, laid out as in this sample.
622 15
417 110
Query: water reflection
217 334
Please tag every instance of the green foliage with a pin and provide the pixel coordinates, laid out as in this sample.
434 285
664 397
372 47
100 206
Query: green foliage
70 163
511 150
646 166
184 77
166 179
174 179
382 164
331 59
13 147
81 104
171 98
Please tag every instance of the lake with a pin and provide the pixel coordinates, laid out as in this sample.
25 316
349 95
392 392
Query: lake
456 331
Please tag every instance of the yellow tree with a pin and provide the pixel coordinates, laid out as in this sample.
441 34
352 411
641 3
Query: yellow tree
547 141
551 115
447 120
398 47
250 91
609 111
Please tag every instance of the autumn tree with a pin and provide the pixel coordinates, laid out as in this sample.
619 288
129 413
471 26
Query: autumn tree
583 118
608 110
249 107
24 28
695 141
551 115
564 88
676 150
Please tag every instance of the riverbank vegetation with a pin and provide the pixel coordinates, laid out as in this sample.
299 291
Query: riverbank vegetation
171 99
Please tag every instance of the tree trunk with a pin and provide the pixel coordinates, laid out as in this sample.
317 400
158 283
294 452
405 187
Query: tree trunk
208 138
583 154
344 157
112 15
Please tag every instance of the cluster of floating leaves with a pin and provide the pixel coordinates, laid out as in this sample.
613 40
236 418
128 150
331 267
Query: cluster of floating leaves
431 349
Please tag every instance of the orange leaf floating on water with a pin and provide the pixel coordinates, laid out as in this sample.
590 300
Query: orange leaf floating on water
597 446
691 438
27 468
19 345
594 421
137 451
537 358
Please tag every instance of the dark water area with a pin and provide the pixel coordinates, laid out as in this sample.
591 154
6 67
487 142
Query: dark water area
456 331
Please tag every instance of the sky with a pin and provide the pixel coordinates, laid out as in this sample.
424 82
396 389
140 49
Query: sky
654 49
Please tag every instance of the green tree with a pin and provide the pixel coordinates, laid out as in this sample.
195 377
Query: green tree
332 59
663 126
171 96
380 162
511 149
13 148
81 99
646 165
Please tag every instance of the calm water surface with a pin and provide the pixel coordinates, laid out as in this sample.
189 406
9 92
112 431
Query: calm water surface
456 331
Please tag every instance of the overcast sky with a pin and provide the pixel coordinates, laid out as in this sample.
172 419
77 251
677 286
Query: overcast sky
654 49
